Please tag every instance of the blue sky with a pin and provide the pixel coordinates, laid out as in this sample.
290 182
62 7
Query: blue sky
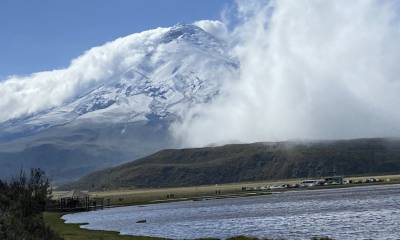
42 35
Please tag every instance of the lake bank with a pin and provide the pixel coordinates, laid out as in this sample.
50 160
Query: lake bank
127 197
341 213
192 194
73 231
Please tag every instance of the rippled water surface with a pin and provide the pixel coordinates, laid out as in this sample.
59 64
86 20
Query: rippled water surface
371 212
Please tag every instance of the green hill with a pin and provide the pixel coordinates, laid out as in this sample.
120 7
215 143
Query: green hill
249 162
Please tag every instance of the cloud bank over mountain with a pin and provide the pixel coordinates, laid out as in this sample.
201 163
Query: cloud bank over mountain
308 70
24 95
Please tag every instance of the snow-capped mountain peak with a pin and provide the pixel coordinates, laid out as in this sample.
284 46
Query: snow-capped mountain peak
112 104
142 77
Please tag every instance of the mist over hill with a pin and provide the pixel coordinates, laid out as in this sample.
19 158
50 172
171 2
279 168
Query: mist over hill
249 162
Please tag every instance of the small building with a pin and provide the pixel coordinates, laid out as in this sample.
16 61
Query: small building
334 180
312 182
347 181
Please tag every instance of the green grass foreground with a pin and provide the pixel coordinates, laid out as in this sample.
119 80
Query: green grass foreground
74 232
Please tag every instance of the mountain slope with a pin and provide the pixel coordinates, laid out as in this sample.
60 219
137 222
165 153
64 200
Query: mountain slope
248 162
140 85
171 69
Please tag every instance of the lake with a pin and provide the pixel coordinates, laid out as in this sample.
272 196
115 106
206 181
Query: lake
370 212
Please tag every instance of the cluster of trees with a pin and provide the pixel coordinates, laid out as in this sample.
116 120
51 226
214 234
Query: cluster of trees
22 202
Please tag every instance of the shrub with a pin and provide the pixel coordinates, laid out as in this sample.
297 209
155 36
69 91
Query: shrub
22 202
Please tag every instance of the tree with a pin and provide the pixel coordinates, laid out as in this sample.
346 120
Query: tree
22 202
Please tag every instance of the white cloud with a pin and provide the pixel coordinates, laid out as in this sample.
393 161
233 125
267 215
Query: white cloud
215 27
22 95
309 69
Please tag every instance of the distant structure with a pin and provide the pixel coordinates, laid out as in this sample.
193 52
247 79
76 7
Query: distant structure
334 180
78 201
312 182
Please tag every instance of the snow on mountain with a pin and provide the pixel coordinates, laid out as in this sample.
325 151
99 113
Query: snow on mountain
151 76
113 104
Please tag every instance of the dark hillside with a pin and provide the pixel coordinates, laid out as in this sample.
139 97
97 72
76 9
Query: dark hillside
249 162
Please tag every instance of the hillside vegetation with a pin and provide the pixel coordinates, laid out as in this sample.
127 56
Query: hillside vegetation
249 162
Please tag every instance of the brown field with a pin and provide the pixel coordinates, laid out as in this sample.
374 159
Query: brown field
153 195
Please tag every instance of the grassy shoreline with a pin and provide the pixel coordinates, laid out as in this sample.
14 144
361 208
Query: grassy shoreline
73 231
127 197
